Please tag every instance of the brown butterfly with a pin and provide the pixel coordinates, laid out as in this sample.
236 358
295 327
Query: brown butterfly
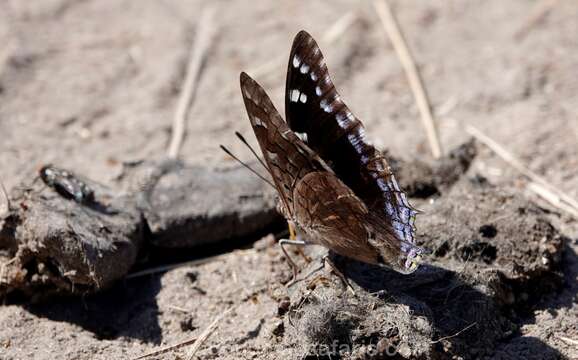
334 187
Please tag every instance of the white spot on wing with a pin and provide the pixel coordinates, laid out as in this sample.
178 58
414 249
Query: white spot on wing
258 122
273 156
303 98
325 106
342 119
313 76
317 91
302 136
294 95
304 68
296 61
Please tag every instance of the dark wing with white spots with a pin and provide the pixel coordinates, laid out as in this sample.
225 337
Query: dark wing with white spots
315 109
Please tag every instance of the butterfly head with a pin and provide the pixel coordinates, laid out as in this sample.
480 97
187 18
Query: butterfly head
411 257
400 255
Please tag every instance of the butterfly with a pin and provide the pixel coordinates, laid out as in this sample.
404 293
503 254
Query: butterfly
334 187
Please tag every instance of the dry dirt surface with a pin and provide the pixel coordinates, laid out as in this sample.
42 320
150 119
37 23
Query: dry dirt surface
92 85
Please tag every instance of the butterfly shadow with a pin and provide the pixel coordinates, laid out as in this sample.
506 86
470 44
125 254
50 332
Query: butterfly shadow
463 309
128 309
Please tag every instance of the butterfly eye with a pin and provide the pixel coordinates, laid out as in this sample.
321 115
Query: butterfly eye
414 263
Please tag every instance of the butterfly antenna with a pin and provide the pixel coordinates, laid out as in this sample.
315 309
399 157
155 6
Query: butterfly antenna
247 166
242 138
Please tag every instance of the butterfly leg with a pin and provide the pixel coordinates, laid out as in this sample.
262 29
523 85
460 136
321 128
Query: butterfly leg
294 236
327 261
284 242
292 232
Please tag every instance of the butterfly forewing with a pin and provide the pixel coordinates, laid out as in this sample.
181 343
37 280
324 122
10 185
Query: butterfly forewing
313 107
288 159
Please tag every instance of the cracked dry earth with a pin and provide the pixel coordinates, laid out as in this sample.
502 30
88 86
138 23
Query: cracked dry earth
98 81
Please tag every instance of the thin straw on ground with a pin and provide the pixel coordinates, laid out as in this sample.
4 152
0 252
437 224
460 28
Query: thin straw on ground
5 201
540 186
413 76
205 335
333 33
536 17
552 198
201 43
165 268
456 334
166 349
567 340
197 341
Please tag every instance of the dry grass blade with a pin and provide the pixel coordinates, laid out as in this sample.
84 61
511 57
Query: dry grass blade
332 34
201 43
454 335
537 16
205 335
413 76
552 198
166 349
567 340
541 186
5 208
338 28
165 268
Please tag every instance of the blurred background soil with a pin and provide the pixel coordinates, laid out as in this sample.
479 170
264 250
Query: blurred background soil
89 84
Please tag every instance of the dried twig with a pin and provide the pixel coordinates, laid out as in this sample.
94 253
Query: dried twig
567 340
541 186
537 15
197 341
165 268
413 76
332 34
205 335
456 334
166 349
180 309
201 43
552 198
339 27
6 201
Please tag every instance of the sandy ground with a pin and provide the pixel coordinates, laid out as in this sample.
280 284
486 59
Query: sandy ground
88 84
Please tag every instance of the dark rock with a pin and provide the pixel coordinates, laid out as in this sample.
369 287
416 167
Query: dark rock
58 246
423 179
197 206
